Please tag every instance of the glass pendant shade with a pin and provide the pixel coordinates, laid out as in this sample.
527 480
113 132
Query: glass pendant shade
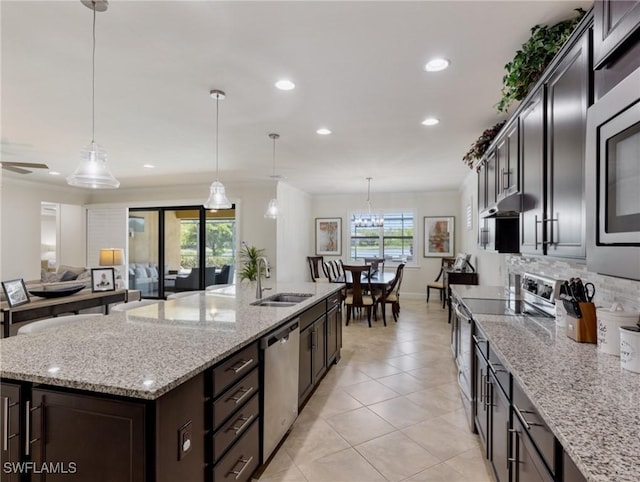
93 171
217 197
272 209
368 220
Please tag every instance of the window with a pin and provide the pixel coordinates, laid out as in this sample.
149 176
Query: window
394 241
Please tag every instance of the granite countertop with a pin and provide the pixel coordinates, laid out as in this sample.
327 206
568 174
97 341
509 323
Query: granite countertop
146 352
590 403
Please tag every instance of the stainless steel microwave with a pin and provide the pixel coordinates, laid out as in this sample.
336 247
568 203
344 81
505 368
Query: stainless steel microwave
613 181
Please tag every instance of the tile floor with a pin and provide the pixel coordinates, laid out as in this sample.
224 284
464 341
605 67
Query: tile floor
390 410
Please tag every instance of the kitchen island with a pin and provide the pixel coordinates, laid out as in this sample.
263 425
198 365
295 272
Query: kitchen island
174 374
584 397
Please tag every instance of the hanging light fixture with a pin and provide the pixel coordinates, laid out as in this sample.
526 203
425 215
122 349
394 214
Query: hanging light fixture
217 197
272 209
93 171
368 220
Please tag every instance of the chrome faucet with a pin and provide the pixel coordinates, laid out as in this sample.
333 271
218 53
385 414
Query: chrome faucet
267 274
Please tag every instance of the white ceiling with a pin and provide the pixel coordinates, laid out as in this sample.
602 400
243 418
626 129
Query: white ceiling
358 69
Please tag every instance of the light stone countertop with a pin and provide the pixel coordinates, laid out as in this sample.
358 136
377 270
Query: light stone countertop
590 403
146 352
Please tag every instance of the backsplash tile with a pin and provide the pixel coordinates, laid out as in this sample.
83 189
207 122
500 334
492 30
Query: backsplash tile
608 288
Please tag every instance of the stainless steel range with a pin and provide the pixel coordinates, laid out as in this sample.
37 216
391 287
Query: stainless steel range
533 297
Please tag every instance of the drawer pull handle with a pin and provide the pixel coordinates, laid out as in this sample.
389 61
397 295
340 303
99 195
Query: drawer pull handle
243 365
245 463
526 423
244 392
5 423
245 421
27 440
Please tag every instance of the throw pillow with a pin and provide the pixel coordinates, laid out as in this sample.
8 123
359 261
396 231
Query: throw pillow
85 275
48 277
68 276
74 269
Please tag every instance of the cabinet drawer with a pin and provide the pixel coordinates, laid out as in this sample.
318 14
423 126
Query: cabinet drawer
312 314
242 459
235 397
333 300
500 372
533 424
235 427
234 368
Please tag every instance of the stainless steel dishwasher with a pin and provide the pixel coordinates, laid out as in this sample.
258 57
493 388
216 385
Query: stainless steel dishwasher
281 367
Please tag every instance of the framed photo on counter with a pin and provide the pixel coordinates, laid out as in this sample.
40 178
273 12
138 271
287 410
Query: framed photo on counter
439 238
16 292
103 279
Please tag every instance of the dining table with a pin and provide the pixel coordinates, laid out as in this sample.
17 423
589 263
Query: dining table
380 280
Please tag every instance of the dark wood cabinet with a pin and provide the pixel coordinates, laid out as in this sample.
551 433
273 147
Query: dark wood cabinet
481 411
93 438
313 357
532 137
492 178
508 161
334 330
499 404
12 440
615 22
571 473
526 464
568 97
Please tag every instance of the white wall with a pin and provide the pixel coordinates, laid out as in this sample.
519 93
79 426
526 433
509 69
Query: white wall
293 237
20 224
437 203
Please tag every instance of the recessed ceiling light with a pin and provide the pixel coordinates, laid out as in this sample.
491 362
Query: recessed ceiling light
54 173
149 166
436 65
285 84
323 131
430 121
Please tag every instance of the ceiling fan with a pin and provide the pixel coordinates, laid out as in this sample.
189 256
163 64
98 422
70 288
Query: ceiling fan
19 167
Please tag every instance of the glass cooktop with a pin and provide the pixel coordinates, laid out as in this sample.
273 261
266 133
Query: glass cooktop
481 306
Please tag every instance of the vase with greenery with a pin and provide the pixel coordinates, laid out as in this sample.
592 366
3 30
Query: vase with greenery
480 146
249 257
530 61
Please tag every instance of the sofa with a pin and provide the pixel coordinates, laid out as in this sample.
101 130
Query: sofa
143 277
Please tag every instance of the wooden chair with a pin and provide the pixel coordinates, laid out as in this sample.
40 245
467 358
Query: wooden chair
316 267
357 296
392 296
438 283
377 264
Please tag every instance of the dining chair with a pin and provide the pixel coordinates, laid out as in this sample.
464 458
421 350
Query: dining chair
329 271
48 323
132 305
438 283
392 296
360 293
337 267
316 268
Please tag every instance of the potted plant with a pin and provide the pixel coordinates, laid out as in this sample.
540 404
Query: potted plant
249 257
480 146
530 61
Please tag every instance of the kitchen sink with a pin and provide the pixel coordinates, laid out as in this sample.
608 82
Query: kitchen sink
282 299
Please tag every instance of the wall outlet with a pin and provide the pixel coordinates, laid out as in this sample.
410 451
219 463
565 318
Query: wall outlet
184 440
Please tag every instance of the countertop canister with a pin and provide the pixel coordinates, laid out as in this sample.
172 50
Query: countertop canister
609 322
630 348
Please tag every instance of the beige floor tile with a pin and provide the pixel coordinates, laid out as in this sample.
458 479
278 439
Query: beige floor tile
370 392
401 412
280 462
377 369
292 474
443 440
344 375
396 456
344 466
332 403
358 426
403 383
439 473
406 362
472 465
308 442
434 398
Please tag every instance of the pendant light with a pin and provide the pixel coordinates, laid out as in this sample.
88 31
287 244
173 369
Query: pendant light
369 220
272 209
217 197
93 171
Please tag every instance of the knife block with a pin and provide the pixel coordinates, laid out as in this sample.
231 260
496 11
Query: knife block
583 330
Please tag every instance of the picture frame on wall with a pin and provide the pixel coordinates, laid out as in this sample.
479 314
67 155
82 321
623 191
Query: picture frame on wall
103 279
328 236
16 292
439 239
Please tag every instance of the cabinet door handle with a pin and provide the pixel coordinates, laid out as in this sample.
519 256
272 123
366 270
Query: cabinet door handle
245 464
5 423
244 391
516 454
525 422
243 364
27 439
245 421
535 232
550 220
314 338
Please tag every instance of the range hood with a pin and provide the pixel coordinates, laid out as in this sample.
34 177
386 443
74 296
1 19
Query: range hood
508 206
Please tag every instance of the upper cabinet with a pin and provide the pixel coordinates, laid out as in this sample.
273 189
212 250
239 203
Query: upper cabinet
615 23
508 161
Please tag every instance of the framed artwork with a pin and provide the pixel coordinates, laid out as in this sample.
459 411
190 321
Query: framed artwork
328 236
103 279
439 238
16 292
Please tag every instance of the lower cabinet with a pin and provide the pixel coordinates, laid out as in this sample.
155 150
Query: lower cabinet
12 439
499 429
571 473
526 464
334 329
313 359
481 415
